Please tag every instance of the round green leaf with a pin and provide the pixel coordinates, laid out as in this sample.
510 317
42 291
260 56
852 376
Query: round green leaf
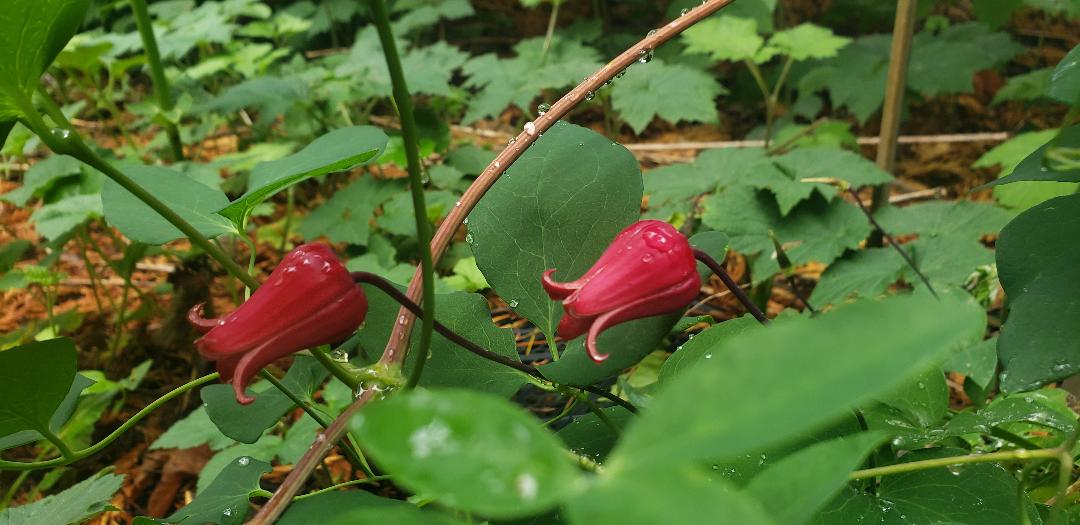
559 206
1037 257
469 451
193 201
39 377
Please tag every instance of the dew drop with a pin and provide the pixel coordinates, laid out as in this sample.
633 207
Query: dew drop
339 356
498 164
513 303
227 512
684 11
589 96
512 140
466 221
401 320
647 258
60 133
457 204
708 356
243 462
650 33
530 128
469 238
543 108
645 56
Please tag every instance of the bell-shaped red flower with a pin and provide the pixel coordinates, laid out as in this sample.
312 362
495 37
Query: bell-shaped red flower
649 269
309 300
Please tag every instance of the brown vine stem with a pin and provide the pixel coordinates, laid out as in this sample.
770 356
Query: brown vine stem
292 484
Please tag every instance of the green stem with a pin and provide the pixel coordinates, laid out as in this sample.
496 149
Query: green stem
552 20
423 229
70 143
100 445
157 74
352 450
65 450
1009 455
766 93
370 479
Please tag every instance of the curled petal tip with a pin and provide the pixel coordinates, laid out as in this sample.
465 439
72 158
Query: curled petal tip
241 395
556 290
200 323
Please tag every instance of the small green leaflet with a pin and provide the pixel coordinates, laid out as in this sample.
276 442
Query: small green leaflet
77 504
225 501
339 150
674 93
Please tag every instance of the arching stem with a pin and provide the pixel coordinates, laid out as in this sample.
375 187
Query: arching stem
736 290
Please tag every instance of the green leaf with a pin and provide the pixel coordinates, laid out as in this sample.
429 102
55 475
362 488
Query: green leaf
1065 82
531 220
32 33
431 440
1034 167
814 231
983 493
923 399
347 215
12 252
469 159
1036 257
977 362
1027 86
700 347
724 38
806 41
263 450
246 423
1009 154
55 219
808 479
225 501
398 515
666 494
675 93
759 10
59 418
827 364
192 200
30 397
467 276
193 430
788 179
864 59
947 62
397 217
330 505
587 435
631 341
516 81
77 504
864 273
453 366
672 189
339 150
41 177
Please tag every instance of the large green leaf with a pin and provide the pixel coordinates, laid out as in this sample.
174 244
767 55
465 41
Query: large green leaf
1022 195
1033 166
346 216
32 33
339 150
827 364
864 273
724 38
246 423
559 206
193 201
449 365
1065 82
630 342
464 449
816 230
806 480
1036 256
589 436
38 378
77 504
225 501
701 345
60 416
666 494
983 493
673 188
675 93
329 505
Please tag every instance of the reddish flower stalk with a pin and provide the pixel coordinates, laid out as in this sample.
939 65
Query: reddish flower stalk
309 300
649 269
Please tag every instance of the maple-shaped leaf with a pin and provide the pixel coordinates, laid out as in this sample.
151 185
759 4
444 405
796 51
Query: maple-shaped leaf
724 38
947 62
806 41
673 92
855 77
504 82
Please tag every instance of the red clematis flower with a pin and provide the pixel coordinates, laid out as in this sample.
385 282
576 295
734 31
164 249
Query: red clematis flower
649 269
309 300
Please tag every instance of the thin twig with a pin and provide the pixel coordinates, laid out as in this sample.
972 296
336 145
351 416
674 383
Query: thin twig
736 290
892 242
896 84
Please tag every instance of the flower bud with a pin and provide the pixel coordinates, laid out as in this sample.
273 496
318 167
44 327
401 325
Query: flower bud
309 300
649 269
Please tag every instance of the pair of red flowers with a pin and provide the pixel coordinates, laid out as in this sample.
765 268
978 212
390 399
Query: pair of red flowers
310 300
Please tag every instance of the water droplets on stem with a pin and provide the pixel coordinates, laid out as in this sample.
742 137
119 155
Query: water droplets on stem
645 56
530 128
543 108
